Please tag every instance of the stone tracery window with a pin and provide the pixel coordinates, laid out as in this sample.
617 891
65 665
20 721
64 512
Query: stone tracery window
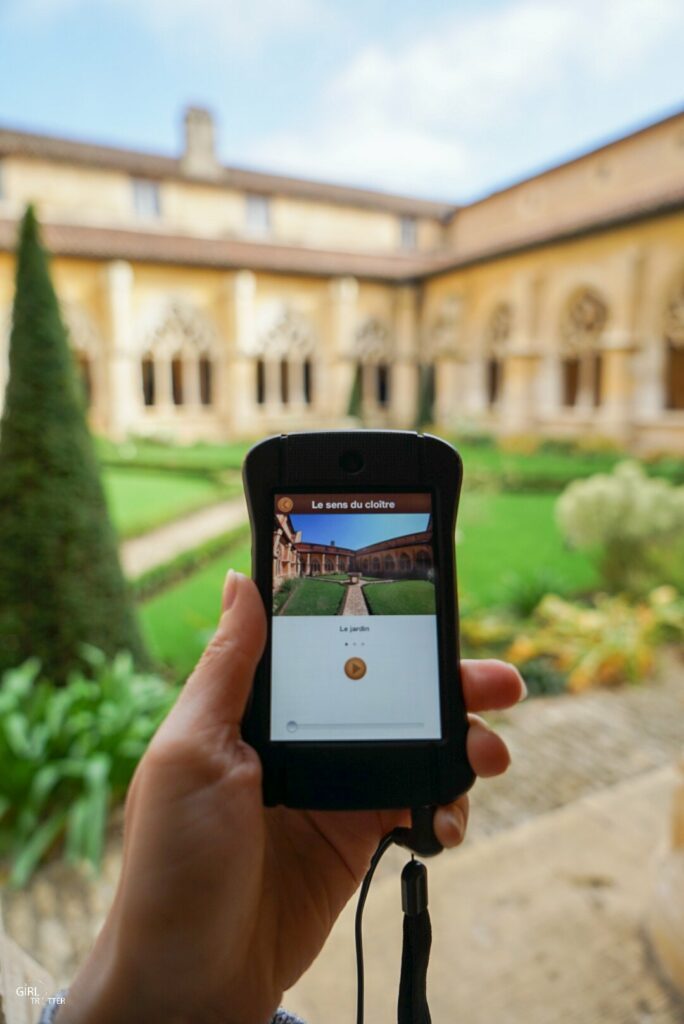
284 365
583 321
372 347
497 333
674 352
177 368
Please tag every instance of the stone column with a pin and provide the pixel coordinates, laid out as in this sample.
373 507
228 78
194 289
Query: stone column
618 345
123 404
238 372
337 365
475 396
404 373
516 406
617 382
450 397
649 357
547 385
191 381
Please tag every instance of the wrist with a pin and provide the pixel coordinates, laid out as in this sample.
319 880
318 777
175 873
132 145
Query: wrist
100 992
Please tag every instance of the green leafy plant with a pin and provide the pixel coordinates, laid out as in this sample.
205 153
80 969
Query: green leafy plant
605 643
522 592
68 753
623 518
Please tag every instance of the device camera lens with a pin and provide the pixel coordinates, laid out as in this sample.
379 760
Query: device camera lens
351 462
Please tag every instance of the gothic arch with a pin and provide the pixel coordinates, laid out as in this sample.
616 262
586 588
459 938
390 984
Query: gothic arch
177 357
372 341
444 332
180 327
373 351
284 370
498 329
584 316
289 334
497 333
583 320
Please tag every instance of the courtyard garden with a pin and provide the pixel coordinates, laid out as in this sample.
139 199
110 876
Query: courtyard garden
570 564
526 593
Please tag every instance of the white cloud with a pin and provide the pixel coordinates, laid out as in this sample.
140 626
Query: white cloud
422 117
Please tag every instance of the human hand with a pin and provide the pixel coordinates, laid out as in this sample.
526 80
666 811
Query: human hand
222 904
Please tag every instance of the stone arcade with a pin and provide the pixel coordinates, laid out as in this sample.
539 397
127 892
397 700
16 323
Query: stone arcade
205 301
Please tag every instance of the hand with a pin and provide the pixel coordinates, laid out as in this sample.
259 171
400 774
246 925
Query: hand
222 904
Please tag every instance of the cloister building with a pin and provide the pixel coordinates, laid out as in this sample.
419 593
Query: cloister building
406 556
205 301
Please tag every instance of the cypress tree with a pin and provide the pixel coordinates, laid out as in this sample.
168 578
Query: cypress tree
61 583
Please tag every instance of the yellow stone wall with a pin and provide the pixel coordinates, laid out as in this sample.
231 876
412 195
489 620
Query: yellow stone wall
328 326
649 163
74 194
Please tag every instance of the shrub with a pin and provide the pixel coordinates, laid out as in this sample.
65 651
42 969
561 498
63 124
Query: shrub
522 593
67 753
623 517
283 592
163 576
610 642
60 578
543 678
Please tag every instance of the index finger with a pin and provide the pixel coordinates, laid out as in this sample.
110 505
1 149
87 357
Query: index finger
490 685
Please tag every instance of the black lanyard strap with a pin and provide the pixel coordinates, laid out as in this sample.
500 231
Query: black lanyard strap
412 1006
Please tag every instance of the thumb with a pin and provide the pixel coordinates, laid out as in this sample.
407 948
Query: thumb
216 693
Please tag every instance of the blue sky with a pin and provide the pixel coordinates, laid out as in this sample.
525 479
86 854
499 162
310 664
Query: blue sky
356 531
442 99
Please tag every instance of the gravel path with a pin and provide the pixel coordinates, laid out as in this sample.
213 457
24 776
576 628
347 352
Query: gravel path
354 601
161 545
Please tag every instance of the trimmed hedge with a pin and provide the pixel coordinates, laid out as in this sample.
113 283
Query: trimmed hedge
163 576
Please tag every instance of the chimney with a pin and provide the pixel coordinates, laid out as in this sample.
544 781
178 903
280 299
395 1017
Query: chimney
199 155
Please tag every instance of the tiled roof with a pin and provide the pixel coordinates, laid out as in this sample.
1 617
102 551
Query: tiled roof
157 247
156 166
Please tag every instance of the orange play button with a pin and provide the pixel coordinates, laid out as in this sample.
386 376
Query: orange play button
355 668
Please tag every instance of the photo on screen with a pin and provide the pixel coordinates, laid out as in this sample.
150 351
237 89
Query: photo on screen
352 563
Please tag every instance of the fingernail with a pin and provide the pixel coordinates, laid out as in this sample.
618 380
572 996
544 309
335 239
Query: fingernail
523 687
457 820
229 589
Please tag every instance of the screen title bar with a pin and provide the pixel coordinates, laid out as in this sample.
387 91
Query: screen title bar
352 502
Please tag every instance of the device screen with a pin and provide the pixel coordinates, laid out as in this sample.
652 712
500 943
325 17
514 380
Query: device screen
354 638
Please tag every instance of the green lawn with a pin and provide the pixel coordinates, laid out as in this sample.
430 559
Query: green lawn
140 499
205 457
178 622
314 597
407 597
505 541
